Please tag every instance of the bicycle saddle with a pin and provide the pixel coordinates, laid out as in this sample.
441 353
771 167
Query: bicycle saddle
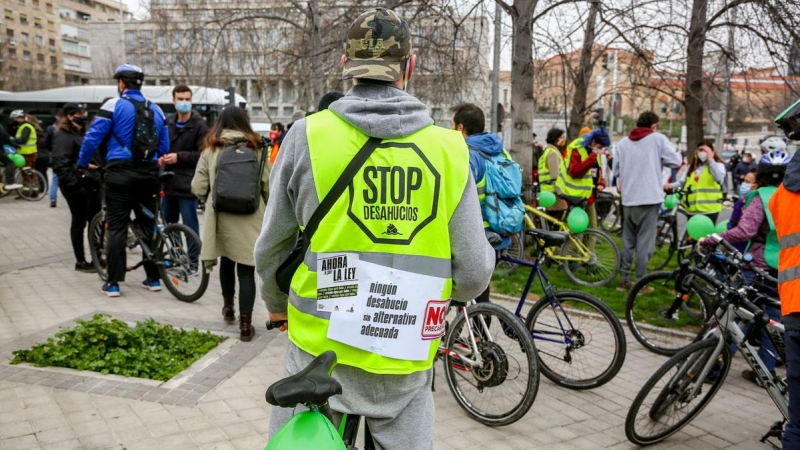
165 176
550 238
312 385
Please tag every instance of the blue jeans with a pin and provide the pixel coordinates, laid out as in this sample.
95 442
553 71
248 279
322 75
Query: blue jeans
54 187
172 206
791 434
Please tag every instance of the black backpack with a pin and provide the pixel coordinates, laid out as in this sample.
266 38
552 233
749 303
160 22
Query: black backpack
144 143
237 188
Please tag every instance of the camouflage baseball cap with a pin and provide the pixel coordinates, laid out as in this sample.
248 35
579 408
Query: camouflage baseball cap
377 44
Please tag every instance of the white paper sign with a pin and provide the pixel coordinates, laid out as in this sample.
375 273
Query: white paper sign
337 281
394 313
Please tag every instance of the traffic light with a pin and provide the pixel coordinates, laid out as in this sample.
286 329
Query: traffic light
231 95
605 60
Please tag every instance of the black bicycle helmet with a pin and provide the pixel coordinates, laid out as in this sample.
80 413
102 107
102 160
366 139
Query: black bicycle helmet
789 121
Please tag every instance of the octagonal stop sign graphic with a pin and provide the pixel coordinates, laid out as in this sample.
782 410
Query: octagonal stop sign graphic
395 194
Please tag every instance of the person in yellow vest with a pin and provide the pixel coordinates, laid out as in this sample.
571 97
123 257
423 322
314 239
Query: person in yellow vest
409 227
26 138
549 168
703 182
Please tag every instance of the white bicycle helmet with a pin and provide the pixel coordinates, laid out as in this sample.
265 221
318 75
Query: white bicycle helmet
773 144
16 113
776 157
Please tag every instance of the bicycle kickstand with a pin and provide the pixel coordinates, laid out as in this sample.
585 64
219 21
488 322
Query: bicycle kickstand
775 431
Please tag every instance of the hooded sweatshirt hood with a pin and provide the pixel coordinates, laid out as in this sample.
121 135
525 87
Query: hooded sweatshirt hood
488 143
791 180
639 133
382 111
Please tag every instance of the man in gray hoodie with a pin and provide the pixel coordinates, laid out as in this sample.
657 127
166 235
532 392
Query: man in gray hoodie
397 403
638 162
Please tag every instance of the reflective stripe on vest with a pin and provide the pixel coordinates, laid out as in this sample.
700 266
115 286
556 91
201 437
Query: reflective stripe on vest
546 180
704 193
395 214
783 205
575 187
29 147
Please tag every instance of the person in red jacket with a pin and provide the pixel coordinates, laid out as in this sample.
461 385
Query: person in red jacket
594 142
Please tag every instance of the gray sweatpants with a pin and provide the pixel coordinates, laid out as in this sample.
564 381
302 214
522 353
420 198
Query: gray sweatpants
398 408
639 234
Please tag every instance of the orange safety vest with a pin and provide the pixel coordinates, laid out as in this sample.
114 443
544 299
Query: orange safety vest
784 205
273 153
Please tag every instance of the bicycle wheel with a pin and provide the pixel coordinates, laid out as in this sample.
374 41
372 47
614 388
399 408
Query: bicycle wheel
179 262
666 403
503 388
98 244
34 188
666 246
579 341
654 319
611 222
600 265
516 250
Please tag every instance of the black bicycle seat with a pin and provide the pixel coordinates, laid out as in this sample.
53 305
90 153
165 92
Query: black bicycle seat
549 238
312 385
165 176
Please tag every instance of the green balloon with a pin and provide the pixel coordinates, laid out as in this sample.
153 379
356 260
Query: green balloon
578 220
18 160
721 227
670 201
699 226
547 199
308 429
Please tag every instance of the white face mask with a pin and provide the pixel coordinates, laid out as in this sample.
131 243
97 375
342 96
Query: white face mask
703 157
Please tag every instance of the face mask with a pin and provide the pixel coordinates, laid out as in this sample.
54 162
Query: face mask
273 135
80 121
703 157
744 189
183 107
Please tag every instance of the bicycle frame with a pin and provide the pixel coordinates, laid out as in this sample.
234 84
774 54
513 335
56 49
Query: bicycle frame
582 248
478 362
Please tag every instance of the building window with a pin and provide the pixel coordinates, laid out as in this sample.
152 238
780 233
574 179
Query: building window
662 107
51 26
39 41
54 78
9 14
21 2
273 112
10 33
42 76
25 38
35 3
13 71
49 7
258 111
26 55
40 58
51 42
287 111
37 22
676 108
54 61
23 18
12 53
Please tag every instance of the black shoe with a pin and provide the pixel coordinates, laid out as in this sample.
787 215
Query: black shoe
85 267
53 204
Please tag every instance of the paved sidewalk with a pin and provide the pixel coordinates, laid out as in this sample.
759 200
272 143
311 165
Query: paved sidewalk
39 289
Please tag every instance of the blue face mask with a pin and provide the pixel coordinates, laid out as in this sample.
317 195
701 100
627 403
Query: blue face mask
744 189
183 107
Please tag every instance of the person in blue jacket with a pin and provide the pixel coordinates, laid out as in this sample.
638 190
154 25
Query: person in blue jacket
128 182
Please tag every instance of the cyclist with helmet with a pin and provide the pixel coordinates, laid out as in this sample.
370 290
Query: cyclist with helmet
756 228
25 138
128 182
703 182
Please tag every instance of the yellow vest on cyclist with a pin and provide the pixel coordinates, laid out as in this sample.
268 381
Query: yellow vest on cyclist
29 147
704 194
547 181
375 283
575 187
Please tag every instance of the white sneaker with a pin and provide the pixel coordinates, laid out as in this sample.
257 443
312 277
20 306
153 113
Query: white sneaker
12 187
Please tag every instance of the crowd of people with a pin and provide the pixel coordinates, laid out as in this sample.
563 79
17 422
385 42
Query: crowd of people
296 227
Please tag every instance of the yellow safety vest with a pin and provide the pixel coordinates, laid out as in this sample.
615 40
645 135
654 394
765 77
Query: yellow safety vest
575 187
29 147
704 193
547 180
392 225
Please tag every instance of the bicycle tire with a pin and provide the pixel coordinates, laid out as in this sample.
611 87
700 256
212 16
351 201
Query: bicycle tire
688 362
549 353
685 244
667 235
646 318
98 244
507 326
177 267
516 250
31 195
575 270
614 226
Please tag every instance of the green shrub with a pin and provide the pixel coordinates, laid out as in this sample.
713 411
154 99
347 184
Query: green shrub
107 345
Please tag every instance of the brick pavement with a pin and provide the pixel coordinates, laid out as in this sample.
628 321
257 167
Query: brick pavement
39 289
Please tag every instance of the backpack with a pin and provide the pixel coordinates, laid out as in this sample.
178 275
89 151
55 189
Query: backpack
144 143
237 188
503 208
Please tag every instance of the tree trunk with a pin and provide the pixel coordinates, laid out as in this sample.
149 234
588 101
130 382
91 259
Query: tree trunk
522 88
694 75
583 78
